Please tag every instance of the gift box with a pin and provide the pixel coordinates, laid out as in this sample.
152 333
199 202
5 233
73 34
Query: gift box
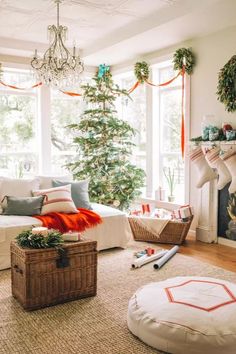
184 212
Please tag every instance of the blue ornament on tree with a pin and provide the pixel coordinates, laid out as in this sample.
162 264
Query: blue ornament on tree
102 70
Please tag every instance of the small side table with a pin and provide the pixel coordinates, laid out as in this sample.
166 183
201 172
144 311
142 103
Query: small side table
45 277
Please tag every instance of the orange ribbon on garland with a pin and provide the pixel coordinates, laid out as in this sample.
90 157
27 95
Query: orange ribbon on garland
21 88
182 73
165 83
134 87
182 116
72 94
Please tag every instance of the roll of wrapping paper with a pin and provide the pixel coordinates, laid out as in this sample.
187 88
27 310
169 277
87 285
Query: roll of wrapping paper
166 257
147 259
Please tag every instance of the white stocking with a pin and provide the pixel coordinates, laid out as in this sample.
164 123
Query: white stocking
205 173
214 161
229 158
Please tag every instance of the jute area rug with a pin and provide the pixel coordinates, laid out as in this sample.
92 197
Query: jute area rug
92 325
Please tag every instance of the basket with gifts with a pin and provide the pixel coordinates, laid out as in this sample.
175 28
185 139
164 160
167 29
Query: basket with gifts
171 229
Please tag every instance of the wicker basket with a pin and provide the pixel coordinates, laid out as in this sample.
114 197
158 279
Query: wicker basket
174 232
43 277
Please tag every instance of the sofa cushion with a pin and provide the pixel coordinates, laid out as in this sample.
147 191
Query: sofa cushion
79 192
46 181
15 187
57 200
26 206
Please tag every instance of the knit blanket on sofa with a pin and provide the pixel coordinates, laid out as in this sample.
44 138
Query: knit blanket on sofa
85 219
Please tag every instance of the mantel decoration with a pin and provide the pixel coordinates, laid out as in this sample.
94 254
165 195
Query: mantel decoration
58 67
184 57
36 239
226 89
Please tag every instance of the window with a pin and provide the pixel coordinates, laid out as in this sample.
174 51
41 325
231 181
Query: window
65 110
18 121
170 159
134 112
155 113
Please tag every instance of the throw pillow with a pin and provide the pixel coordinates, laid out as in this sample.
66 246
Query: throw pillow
46 181
57 200
79 192
23 206
17 187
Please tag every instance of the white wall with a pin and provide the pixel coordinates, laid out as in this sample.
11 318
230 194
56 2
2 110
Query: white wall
212 52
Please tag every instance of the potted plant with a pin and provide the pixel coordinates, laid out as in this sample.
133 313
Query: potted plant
169 174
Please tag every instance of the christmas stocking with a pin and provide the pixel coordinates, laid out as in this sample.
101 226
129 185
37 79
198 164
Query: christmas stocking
229 158
205 173
214 161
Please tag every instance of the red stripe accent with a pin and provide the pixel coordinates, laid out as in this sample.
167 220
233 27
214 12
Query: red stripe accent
171 297
58 200
53 191
196 155
227 156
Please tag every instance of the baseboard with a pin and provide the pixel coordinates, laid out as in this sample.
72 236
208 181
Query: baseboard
192 233
226 242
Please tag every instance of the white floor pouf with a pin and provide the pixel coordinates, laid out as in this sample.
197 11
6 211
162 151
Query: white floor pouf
186 315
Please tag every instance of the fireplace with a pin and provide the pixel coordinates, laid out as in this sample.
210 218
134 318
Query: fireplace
212 215
223 216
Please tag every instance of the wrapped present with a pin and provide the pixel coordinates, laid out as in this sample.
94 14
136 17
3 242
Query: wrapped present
184 212
146 209
71 236
136 212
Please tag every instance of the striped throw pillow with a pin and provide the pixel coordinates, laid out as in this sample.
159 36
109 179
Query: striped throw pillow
57 200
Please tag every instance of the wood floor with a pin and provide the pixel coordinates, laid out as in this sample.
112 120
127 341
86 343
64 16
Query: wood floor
216 254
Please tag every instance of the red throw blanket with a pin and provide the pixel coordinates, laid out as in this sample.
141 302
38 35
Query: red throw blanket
70 222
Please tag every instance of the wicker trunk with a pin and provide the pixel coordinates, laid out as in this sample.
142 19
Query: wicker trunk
44 277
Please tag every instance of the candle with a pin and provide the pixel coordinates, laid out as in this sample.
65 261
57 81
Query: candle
40 230
184 61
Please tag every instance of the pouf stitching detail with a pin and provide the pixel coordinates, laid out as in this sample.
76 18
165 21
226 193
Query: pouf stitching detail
171 297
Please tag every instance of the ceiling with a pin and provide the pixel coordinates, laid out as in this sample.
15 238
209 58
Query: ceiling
111 31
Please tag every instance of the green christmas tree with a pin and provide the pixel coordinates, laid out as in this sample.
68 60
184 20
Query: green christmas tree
104 144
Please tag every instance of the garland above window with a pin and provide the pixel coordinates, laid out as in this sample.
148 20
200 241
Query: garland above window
141 71
184 57
226 89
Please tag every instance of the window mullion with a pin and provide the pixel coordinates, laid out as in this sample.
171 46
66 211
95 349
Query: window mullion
44 130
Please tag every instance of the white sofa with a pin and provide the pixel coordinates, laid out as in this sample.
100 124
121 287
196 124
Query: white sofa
113 232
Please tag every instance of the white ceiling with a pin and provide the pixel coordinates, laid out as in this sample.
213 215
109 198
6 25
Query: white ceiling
111 31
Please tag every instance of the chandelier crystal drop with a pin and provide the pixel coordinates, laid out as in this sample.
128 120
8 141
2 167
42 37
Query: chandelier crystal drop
58 67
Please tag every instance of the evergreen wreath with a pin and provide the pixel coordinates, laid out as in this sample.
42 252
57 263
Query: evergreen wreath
179 56
28 240
141 71
226 89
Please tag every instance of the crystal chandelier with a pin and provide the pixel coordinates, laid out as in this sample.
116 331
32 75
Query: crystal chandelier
58 67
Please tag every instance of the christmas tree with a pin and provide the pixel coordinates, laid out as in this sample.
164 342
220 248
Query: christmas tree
104 144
